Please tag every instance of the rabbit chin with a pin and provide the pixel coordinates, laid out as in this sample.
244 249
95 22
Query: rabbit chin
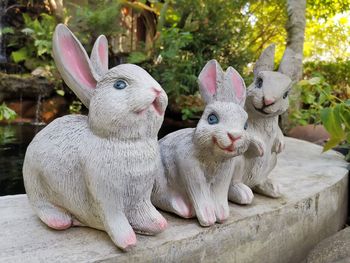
264 112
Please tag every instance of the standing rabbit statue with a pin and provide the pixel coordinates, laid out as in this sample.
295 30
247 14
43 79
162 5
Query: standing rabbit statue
198 163
267 98
98 170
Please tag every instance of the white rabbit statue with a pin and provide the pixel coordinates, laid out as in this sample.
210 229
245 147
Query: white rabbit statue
267 98
198 162
99 170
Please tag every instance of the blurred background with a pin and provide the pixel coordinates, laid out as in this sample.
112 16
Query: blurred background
172 40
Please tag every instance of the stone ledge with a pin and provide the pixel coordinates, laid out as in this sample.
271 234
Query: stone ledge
314 207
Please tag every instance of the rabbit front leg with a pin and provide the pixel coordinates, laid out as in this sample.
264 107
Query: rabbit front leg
278 144
110 209
220 189
198 191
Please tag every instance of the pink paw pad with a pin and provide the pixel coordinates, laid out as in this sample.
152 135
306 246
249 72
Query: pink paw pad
182 208
162 224
130 241
59 224
209 214
223 216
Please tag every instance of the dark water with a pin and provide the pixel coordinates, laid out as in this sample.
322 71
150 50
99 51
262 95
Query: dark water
14 140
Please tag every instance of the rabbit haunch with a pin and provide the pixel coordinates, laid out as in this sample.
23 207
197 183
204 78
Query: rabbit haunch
267 98
98 170
198 163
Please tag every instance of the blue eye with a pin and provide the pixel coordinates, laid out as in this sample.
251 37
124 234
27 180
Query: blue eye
213 119
246 125
120 84
259 83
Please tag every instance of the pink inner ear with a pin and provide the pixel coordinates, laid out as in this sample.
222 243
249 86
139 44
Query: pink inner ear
238 86
102 53
209 79
75 61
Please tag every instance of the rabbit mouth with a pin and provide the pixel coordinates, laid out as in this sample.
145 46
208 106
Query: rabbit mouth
231 148
261 110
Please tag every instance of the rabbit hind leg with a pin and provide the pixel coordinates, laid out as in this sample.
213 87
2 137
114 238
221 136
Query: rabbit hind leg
53 216
145 219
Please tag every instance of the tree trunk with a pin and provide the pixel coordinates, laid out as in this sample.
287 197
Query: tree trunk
295 27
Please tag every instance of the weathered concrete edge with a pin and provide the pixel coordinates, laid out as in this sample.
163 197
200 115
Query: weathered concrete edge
230 243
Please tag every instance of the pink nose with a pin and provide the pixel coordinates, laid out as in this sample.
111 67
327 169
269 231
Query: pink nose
233 138
156 91
268 101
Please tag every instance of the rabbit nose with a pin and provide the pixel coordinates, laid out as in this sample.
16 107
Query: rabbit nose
268 101
233 138
156 91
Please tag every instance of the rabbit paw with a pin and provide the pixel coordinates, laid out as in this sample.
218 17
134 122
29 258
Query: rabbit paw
182 208
206 215
145 219
269 188
278 145
55 217
240 194
222 213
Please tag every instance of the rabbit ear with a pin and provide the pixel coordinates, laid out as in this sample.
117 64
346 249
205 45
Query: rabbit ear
99 56
208 80
265 61
73 63
288 64
234 89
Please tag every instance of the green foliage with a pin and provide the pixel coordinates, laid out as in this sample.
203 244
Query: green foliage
75 107
337 75
336 120
315 94
93 19
6 113
321 106
38 41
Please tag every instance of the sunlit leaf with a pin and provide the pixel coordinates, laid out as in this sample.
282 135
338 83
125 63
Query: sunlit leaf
20 55
331 144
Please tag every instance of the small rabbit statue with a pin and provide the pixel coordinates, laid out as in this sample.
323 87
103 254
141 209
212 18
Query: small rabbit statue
198 162
267 98
99 170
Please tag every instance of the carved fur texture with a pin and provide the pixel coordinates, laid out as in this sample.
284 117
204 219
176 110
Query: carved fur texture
98 170
267 98
198 163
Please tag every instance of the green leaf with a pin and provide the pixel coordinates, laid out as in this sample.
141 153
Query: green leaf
331 144
332 122
314 81
28 31
60 92
7 30
20 55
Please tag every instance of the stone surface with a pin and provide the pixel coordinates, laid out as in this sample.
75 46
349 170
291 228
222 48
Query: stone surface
11 86
314 206
333 249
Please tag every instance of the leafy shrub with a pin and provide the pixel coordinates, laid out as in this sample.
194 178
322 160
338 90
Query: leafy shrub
336 120
6 113
38 41
320 105
337 75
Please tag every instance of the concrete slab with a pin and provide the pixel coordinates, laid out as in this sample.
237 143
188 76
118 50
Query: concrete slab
333 249
314 207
